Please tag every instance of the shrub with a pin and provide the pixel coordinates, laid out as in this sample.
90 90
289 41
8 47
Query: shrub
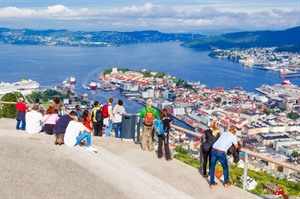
9 110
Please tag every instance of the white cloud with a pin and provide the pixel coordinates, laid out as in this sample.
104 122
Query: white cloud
147 16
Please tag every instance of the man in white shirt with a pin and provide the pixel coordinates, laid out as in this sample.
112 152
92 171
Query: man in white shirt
34 120
76 132
219 153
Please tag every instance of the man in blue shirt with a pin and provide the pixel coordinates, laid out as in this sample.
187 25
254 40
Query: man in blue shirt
218 152
61 126
78 111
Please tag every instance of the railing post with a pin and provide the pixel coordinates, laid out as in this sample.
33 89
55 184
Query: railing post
138 131
245 171
201 155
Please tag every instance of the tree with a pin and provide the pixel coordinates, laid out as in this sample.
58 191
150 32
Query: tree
9 110
295 154
293 115
107 71
218 99
160 74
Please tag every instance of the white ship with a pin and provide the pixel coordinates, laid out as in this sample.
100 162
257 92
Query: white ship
18 86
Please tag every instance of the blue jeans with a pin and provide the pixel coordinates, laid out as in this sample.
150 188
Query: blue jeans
108 128
23 124
221 156
84 135
118 129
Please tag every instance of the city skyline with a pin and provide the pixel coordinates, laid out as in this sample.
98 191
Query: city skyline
197 16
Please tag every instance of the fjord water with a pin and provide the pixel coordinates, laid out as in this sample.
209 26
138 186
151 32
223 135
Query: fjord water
50 65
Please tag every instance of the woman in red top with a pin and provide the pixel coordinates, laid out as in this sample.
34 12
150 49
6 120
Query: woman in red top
21 108
87 118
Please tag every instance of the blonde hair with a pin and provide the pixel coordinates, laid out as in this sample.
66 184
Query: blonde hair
215 129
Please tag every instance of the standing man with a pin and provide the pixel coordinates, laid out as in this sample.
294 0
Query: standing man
110 119
219 153
78 111
77 132
97 119
21 108
148 114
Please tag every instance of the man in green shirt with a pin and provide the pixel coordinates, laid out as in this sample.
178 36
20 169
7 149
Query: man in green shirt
148 114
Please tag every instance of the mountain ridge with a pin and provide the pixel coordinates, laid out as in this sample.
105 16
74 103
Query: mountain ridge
246 39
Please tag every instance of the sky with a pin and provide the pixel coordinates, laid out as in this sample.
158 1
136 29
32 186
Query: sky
173 16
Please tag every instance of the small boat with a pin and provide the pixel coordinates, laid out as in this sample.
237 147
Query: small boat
72 80
93 85
286 83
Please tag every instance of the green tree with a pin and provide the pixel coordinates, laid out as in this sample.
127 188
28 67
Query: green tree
160 75
295 154
107 71
268 111
9 110
218 99
293 115
147 73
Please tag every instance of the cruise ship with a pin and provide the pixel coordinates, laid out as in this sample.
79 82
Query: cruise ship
288 73
18 86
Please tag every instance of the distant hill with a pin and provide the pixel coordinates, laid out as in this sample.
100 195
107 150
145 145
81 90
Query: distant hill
87 38
287 39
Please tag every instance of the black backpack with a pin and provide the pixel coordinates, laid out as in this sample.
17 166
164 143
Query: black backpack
99 115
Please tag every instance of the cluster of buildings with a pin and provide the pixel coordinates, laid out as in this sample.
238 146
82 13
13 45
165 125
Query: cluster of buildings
263 58
286 63
262 121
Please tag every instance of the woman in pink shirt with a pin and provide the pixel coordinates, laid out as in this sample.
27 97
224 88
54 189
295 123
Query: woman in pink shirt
50 119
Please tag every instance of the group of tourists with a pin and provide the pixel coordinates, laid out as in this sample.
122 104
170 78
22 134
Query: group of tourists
72 129
215 149
76 128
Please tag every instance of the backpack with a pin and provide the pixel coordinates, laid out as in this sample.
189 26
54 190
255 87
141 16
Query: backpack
105 111
159 127
149 117
99 115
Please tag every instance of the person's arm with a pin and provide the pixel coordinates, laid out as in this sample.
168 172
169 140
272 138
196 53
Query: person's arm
155 113
235 143
143 112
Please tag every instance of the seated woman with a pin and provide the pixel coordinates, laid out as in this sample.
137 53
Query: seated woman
50 119
87 118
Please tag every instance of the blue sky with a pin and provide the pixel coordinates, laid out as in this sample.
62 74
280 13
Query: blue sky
197 16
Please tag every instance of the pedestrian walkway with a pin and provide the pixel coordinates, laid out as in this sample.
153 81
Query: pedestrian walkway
33 167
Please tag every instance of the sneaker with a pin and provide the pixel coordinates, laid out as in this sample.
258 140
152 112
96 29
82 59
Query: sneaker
227 184
90 148
205 176
169 159
213 185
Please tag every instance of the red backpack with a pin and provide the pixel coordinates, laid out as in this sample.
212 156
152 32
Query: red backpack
105 111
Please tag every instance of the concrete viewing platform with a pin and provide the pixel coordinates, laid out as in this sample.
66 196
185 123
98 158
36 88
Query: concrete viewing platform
33 167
